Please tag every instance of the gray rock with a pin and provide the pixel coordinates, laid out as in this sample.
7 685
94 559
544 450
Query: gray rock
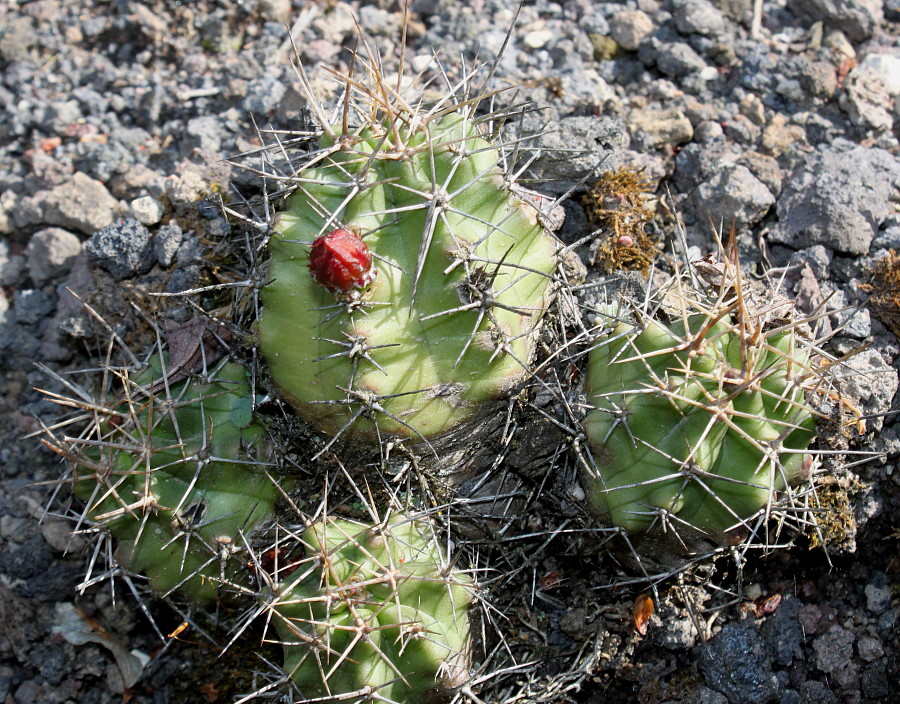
876 684
166 243
374 20
818 79
708 131
32 304
8 200
630 28
858 19
204 173
696 163
17 37
668 126
738 10
30 209
61 114
81 204
838 197
51 253
871 384
206 132
886 67
709 696
870 648
853 321
864 99
834 655
276 10
819 260
733 195
888 621
791 89
814 692
576 147
878 599
678 59
736 663
147 210
765 168
12 266
183 279
697 17
783 632
124 249
741 129
780 135
264 94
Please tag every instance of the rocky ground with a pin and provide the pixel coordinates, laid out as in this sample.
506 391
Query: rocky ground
117 117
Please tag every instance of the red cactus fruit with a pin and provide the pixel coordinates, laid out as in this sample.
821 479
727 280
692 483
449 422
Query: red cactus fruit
341 262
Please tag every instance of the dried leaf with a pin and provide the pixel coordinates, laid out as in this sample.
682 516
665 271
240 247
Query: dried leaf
77 628
211 692
641 612
766 605
551 580
193 344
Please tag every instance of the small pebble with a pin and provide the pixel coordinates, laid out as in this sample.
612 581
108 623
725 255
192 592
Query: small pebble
147 210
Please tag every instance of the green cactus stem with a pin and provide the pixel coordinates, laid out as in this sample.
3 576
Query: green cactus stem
701 424
446 319
372 613
176 474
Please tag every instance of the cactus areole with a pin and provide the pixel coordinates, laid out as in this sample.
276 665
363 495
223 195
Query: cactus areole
449 322
341 262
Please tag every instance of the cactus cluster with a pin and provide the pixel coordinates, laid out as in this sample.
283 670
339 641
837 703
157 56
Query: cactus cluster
406 281
372 612
175 472
702 421
403 295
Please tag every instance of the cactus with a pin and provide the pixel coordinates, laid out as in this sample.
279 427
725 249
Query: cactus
406 281
701 423
371 613
173 472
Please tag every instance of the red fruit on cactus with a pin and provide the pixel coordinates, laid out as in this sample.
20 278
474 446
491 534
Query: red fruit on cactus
340 261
